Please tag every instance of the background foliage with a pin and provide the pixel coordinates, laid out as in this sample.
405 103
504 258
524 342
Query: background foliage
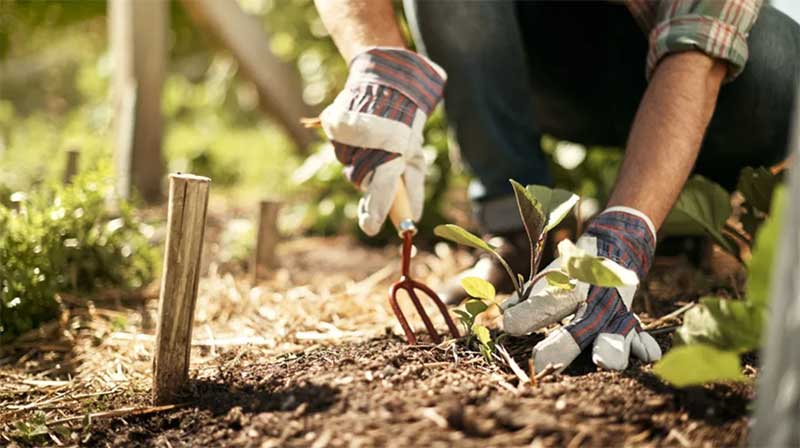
73 238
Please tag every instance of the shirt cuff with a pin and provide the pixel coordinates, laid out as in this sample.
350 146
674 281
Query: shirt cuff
714 37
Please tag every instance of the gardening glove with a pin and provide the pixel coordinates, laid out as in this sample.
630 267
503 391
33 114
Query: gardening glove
603 317
376 123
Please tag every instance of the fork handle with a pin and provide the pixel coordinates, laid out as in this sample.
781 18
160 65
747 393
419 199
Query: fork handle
400 213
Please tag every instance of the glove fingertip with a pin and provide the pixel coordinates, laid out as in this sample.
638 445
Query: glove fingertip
557 348
650 351
368 226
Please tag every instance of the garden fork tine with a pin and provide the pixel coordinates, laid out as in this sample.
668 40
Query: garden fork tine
401 217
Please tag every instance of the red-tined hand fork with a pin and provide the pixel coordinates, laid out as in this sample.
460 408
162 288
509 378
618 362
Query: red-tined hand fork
400 215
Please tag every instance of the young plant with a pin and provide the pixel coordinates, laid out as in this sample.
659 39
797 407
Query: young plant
717 331
541 209
704 208
482 295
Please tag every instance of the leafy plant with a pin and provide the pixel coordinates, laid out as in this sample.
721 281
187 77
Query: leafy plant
541 209
66 238
483 297
32 428
704 208
716 331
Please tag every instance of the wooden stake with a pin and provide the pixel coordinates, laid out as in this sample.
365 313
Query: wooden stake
138 36
266 239
186 221
71 168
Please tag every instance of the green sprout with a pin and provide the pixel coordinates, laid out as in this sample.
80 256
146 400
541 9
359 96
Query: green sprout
541 209
482 295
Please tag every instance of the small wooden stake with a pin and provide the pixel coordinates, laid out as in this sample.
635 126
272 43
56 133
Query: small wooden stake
266 239
188 202
71 168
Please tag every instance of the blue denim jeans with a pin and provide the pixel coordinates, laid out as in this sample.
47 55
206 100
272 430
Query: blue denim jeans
517 70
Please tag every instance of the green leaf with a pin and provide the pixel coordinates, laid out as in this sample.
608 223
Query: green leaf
35 426
597 271
475 307
482 333
556 203
759 270
756 186
478 288
559 279
728 324
532 215
694 365
458 235
703 207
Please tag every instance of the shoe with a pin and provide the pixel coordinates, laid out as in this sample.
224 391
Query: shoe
513 247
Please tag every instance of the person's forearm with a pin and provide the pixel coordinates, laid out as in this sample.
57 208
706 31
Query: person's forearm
667 132
356 25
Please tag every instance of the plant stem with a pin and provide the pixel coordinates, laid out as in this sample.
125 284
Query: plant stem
510 273
541 275
539 251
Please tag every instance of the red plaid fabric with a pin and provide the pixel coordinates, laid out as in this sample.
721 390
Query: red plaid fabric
718 28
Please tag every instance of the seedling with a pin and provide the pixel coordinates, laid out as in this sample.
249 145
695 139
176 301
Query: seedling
541 209
483 297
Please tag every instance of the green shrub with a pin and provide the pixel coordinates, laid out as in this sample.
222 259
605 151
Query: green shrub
67 238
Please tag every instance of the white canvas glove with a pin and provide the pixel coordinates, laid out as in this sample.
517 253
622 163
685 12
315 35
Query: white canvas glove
376 123
602 315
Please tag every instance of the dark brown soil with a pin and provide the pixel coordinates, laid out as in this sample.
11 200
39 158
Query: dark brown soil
382 392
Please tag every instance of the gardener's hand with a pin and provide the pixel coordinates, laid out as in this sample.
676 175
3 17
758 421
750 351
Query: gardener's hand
603 317
375 125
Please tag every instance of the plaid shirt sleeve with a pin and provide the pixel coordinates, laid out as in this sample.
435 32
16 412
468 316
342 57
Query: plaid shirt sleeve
718 28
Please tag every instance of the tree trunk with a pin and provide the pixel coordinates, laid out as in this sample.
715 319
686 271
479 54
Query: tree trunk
138 33
278 85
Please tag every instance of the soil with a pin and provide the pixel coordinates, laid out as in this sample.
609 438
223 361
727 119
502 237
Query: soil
381 392
326 367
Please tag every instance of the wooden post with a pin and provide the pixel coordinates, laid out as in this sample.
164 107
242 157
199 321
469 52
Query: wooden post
778 398
138 37
277 82
266 239
71 167
186 221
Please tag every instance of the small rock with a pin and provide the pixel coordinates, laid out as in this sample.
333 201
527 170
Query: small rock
561 404
235 417
388 371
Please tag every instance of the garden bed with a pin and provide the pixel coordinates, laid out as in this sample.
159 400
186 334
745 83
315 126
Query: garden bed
380 392
312 357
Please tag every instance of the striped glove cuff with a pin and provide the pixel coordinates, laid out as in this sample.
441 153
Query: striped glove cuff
625 236
415 76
